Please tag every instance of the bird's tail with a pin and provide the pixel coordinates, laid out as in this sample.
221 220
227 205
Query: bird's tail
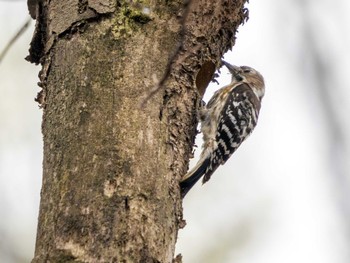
192 177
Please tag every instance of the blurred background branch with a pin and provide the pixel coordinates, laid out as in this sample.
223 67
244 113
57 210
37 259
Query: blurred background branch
19 33
321 65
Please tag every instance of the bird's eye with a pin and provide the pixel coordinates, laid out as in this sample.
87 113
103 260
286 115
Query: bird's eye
246 69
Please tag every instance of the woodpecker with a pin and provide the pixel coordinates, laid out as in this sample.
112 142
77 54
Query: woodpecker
226 121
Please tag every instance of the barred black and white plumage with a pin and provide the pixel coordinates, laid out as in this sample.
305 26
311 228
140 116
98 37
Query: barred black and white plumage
226 121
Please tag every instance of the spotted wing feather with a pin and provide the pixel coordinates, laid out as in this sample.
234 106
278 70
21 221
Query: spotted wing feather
234 124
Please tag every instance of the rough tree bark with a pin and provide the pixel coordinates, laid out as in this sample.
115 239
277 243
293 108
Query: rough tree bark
112 163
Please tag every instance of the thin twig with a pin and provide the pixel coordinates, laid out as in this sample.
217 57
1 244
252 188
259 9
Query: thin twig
14 39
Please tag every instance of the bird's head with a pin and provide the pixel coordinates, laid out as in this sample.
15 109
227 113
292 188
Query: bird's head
245 74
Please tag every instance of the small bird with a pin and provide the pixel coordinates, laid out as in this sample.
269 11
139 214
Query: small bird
226 121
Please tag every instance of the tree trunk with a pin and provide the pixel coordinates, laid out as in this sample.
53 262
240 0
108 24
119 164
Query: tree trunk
112 163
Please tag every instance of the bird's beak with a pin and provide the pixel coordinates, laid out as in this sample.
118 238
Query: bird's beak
233 69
